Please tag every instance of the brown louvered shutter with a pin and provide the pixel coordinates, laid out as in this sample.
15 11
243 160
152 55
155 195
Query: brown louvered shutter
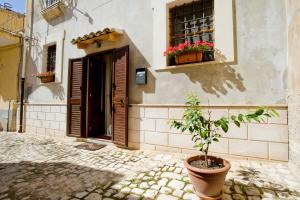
120 96
76 98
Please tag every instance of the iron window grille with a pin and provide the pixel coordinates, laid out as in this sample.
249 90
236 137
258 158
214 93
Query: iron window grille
51 58
192 22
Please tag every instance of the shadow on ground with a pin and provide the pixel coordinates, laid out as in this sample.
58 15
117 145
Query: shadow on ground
249 184
28 180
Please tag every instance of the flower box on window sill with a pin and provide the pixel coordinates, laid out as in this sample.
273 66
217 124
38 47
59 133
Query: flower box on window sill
48 79
192 57
186 52
189 57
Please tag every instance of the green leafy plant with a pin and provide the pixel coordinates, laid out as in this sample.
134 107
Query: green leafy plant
205 130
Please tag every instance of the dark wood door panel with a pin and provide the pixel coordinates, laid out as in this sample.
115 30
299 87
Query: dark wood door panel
76 98
120 96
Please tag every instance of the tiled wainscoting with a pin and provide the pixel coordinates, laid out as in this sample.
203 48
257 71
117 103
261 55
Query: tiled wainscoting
45 120
149 129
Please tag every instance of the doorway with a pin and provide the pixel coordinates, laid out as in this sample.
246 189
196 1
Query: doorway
99 96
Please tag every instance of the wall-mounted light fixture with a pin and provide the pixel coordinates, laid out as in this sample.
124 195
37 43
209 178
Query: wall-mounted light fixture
97 43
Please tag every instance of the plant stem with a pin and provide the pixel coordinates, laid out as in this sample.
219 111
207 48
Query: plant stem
206 160
209 134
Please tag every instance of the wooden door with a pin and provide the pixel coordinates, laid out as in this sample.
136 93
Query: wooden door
76 98
120 96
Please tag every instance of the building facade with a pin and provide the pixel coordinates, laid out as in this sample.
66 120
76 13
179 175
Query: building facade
11 26
293 80
98 50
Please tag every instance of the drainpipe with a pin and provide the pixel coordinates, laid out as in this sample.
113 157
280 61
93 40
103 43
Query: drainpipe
20 82
21 106
24 62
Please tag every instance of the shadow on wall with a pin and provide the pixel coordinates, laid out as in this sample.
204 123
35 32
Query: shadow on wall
70 13
33 83
136 60
57 91
217 79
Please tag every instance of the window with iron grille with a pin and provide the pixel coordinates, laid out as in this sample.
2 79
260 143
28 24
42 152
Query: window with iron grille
51 57
192 22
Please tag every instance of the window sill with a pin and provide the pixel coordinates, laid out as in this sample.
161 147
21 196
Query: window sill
50 83
190 65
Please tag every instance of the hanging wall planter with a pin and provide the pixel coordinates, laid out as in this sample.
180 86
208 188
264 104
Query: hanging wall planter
46 77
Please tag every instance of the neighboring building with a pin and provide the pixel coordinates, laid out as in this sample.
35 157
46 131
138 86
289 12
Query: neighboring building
11 25
97 49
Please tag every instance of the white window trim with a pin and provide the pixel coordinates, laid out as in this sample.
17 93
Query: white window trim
224 35
58 39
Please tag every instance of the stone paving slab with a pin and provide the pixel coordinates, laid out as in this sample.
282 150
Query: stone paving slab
32 168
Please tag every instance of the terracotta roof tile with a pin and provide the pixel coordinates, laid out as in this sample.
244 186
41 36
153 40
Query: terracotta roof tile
92 35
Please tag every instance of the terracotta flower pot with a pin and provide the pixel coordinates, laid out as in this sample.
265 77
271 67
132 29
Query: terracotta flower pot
208 183
189 57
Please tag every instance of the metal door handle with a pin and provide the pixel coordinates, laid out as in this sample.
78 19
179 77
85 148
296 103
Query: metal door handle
122 103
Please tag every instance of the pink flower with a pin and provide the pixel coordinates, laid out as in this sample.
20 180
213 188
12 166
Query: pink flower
211 44
181 46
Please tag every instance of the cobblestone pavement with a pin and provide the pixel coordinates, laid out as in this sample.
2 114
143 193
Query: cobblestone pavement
32 168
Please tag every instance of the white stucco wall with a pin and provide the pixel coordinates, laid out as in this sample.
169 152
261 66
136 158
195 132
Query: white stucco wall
257 74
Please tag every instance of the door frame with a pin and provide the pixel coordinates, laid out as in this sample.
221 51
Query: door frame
83 104
87 109
85 63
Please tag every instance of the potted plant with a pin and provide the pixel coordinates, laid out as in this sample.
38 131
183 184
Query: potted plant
45 77
208 173
190 53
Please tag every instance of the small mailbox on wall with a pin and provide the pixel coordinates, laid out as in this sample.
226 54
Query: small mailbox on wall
141 76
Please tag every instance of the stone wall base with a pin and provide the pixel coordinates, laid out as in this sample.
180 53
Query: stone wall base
149 129
45 120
